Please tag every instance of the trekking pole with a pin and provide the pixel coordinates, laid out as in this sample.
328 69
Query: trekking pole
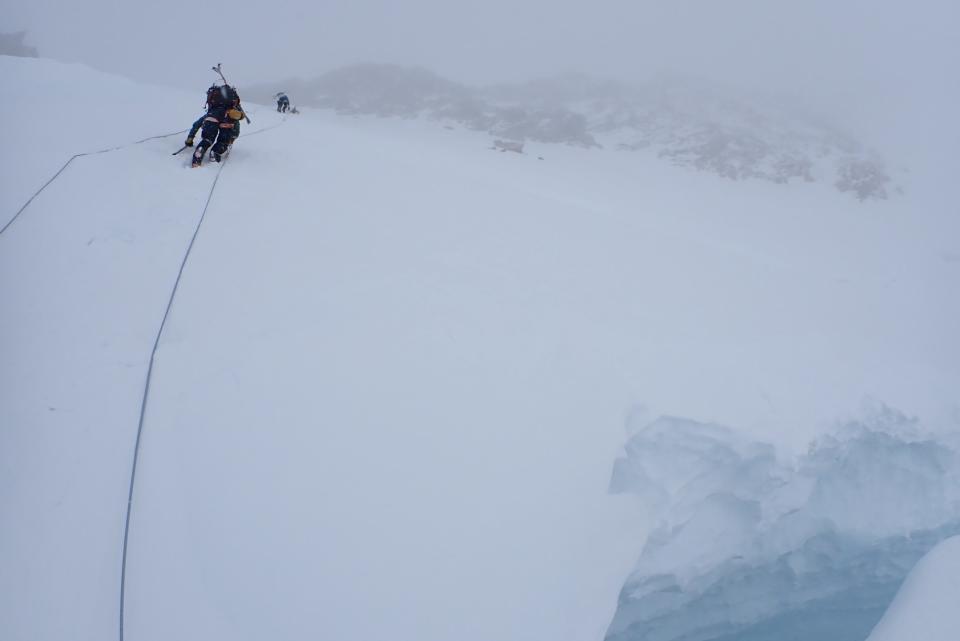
220 73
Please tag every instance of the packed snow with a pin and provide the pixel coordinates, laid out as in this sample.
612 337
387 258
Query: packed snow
397 370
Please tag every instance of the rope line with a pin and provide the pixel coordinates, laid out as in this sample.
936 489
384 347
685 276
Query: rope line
156 342
149 378
70 160
104 151
146 394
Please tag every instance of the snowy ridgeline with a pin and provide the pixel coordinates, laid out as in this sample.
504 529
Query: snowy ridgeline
709 129
13 44
752 549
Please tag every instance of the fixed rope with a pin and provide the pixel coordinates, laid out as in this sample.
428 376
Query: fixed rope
71 159
146 387
146 395
104 151
156 342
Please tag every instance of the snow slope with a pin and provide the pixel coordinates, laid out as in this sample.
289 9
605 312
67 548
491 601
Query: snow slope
725 132
84 273
53 110
395 376
926 606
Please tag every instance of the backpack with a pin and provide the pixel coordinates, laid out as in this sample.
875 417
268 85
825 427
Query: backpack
214 97
225 96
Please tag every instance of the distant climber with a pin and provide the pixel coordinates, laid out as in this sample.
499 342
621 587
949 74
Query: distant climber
283 103
219 126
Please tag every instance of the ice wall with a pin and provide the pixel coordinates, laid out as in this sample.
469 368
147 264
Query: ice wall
749 547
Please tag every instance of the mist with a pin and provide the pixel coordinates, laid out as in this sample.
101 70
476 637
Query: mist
879 68
528 320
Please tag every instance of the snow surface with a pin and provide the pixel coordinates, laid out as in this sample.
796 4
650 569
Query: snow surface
926 605
53 110
396 372
726 132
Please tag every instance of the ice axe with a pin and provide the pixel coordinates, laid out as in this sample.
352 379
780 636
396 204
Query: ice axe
220 73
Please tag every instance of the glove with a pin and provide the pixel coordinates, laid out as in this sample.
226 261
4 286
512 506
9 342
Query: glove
235 114
189 142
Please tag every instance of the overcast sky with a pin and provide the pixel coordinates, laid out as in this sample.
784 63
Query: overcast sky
865 59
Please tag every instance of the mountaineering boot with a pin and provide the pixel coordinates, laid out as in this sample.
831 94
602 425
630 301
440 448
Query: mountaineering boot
215 157
197 158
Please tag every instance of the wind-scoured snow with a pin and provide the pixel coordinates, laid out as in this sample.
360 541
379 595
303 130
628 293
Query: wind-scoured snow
395 375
